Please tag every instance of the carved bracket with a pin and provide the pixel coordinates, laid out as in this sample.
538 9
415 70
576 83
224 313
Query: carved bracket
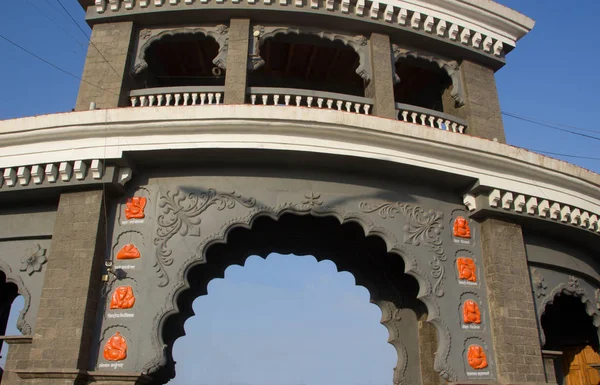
358 43
148 36
451 67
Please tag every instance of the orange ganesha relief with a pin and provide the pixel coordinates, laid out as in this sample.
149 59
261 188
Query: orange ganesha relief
134 208
476 357
466 269
122 298
471 313
461 228
115 348
128 251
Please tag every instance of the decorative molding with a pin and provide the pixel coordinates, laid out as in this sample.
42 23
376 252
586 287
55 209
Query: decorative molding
541 207
33 260
451 68
181 215
220 33
358 43
539 286
495 27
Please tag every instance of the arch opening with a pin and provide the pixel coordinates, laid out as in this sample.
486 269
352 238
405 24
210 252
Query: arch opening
365 257
308 62
181 59
11 305
570 330
422 83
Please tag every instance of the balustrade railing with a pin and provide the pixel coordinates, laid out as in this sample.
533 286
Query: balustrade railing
176 96
431 118
268 96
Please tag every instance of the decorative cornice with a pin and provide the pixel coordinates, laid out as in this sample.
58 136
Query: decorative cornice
488 29
533 206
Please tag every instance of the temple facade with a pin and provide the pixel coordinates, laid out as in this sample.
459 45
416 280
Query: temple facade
364 132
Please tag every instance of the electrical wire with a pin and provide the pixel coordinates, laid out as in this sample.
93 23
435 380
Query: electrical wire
54 65
551 126
55 24
565 155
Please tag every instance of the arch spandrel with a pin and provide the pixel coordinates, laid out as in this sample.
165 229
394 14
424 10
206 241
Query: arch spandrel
188 219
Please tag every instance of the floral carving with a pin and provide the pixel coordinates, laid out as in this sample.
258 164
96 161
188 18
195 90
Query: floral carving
476 357
122 298
33 260
422 227
222 29
128 251
115 348
539 286
145 33
471 313
360 40
181 215
312 200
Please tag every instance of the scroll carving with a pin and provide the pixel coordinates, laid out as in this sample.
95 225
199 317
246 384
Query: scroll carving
181 215
423 226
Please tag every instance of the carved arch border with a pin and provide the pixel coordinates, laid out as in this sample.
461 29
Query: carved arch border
451 68
220 33
571 289
15 279
358 43
426 294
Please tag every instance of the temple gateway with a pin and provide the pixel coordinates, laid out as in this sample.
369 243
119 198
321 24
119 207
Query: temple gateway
364 132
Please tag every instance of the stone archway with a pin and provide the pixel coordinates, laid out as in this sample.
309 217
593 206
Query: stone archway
352 244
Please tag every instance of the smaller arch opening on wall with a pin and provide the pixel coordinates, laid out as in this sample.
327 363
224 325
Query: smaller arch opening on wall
420 83
11 304
308 62
569 329
181 59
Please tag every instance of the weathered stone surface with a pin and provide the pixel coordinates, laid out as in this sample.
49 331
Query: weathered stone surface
381 87
237 61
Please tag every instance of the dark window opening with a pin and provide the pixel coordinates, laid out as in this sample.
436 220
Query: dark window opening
308 62
182 60
421 84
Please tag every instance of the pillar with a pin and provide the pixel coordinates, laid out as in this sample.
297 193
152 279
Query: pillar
67 312
427 350
513 320
105 77
481 107
237 61
381 86
17 358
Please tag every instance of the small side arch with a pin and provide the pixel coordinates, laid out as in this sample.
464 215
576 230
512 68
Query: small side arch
10 277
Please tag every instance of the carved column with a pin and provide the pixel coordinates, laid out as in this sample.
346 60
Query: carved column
237 61
67 310
381 86
105 80
513 320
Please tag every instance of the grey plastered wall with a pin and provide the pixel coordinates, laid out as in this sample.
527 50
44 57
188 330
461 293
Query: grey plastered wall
187 213
25 235
558 268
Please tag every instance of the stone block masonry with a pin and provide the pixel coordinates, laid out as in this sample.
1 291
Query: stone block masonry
237 61
381 87
513 320
105 81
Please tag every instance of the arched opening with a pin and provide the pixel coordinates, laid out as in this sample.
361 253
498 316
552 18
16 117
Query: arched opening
570 330
308 62
281 320
182 59
422 83
365 257
11 304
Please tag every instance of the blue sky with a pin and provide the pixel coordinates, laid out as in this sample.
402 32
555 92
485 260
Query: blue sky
244 328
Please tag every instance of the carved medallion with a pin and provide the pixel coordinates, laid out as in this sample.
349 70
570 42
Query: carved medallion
33 260
122 298
466 269
134 208
471 313
115 348
476 357
461 228
128 251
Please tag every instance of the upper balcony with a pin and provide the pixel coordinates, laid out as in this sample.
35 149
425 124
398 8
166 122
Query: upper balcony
294 67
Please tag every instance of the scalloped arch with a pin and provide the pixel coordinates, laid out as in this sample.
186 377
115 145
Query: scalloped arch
218 33
571 290
451 68
15 279
358 43
182 290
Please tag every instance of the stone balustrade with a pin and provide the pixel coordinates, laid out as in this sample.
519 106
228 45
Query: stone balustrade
176 96
431 118
268 96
